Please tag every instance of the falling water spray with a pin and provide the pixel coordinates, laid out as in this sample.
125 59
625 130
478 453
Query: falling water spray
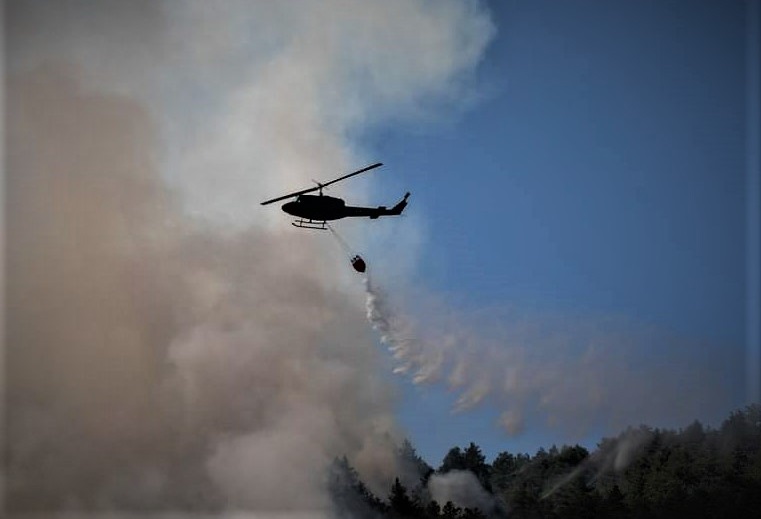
575 374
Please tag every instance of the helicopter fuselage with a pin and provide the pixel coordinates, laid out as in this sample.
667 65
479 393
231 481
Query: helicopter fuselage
314 207
321 208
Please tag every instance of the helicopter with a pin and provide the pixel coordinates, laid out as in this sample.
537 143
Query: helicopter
314 211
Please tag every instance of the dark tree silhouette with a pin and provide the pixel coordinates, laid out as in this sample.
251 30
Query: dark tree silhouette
695 472
401 504
350 496
454 460
450 511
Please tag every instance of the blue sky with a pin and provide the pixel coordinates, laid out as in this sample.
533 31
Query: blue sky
601 170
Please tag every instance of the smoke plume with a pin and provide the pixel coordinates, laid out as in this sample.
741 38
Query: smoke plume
168 347
462 488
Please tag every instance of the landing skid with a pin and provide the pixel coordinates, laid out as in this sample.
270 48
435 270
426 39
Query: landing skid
310 224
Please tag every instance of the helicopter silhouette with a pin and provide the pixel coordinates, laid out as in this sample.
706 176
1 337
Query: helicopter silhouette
314 211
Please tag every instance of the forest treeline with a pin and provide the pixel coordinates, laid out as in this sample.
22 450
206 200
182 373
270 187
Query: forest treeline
644 472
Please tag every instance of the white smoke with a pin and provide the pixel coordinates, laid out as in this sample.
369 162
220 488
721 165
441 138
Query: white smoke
611 456
576 374
462 488
169 348
323 72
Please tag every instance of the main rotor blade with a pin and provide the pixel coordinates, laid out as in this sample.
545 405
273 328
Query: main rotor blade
309 190
297 193
367 168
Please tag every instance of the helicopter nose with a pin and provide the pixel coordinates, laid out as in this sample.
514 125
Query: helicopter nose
289 207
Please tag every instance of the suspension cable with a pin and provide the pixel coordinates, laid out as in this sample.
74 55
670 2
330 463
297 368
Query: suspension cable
340 240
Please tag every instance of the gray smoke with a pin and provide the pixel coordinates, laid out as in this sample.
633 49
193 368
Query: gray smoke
170 347
462 488
156 364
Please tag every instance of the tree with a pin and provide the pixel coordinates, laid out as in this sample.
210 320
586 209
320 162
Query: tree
454 460
572 456
574 500
471 459
475 462
503 470
473 513
410 461
433 510
613 504
401 504
523 500
349 494
450 511
694 433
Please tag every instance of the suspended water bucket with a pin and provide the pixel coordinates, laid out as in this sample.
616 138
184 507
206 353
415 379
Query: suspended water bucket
358 264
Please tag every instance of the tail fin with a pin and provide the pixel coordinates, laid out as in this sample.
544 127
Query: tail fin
398 208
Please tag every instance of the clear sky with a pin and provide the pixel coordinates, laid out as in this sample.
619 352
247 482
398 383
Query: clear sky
601 170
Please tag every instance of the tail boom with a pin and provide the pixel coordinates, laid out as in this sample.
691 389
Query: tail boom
376 212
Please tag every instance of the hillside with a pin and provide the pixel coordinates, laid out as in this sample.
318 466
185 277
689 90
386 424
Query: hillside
643 472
